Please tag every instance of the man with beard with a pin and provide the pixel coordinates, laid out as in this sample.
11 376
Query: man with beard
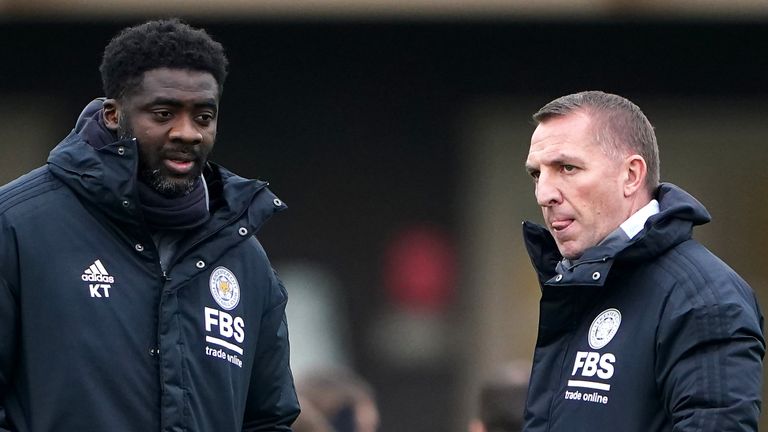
641 328
133 293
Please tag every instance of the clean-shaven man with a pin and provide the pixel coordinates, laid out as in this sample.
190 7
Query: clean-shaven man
642 329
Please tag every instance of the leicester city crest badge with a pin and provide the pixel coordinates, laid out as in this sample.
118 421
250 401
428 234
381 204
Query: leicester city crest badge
224 288
604 328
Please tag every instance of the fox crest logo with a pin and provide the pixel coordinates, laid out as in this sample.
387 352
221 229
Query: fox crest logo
604 328
224 288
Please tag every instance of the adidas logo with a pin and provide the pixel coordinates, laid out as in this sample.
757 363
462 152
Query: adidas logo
97 273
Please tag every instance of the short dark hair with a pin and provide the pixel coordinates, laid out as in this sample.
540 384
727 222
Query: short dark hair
619 126
168 43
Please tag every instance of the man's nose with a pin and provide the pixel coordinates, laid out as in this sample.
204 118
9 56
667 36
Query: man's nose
547 191
185 130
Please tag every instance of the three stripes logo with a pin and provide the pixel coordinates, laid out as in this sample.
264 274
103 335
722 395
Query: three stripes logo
100 279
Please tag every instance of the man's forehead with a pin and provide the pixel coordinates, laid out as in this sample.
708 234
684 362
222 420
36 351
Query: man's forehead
555 154
179 79
176 86
572 133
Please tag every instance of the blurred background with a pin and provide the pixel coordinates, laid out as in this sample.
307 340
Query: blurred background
397 131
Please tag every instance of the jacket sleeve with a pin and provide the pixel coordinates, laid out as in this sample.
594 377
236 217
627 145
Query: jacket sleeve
709 355
8 322
272 404
8 317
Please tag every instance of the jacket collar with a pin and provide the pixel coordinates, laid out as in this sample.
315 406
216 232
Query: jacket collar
679 213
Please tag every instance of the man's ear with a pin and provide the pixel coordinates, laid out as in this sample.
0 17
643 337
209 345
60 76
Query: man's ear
635 171
111 115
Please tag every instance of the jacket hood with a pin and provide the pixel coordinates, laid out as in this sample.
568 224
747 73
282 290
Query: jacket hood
101 169
91 127
98 167
679 213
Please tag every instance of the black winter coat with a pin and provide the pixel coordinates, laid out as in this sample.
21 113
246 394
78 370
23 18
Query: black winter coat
655 334
95 337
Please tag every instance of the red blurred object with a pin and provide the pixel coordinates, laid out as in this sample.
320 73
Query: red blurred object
420 269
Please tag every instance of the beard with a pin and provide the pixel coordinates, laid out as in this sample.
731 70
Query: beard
166 185
153 176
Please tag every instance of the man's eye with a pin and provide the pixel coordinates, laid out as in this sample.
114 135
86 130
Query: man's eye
163 114
568 168
535 174
205 117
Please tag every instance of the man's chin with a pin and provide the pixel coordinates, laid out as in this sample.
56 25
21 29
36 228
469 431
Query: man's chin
570 252
175 188
170 186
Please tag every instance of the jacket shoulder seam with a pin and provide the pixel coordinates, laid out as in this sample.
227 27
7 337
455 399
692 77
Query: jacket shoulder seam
20 190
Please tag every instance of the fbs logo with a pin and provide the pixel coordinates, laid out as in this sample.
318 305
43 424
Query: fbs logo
592 363
99 274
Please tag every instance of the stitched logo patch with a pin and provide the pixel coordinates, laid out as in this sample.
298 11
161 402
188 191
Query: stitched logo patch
224 288
604 328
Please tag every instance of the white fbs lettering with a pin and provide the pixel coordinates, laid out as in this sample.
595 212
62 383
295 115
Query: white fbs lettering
591 363
228 326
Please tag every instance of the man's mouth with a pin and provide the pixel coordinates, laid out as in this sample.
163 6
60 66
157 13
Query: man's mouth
179 166
561 224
